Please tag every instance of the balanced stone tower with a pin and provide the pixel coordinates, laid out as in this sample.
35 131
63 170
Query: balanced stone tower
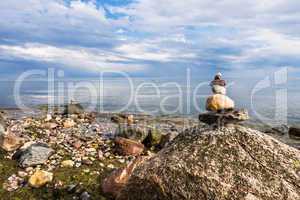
221 107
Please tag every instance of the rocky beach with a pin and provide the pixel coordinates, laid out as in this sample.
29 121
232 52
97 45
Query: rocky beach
80 155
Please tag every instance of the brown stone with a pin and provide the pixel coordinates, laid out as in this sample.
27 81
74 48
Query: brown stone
115 182
219 102
11 142
129 147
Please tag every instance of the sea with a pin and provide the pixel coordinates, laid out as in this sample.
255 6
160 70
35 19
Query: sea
267 100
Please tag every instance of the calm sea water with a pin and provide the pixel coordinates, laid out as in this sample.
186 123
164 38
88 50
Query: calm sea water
265 100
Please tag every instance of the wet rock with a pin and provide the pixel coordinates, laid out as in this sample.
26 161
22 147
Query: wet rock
205 163
40 178
223 118
115 182
134 132
279 130
294 133
73 108
33 154
11 142
219 102
128 147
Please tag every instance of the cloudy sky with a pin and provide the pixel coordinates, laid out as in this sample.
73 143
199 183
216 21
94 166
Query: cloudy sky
149 37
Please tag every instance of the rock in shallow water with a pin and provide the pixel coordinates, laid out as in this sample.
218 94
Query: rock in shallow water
294 133
230 163
34 154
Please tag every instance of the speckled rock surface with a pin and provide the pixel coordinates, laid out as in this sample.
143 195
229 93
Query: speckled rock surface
230 163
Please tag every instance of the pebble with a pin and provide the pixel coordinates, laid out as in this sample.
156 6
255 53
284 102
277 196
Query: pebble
22 174
110 166
85 196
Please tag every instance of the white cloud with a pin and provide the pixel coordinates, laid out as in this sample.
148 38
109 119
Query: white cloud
200 32
88 60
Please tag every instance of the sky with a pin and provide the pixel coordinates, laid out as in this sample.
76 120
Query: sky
149 37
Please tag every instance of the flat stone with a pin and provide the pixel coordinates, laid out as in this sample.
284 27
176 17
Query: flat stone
34 154
223 118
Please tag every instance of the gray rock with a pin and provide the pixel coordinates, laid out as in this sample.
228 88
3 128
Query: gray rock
35 154
223 118
205 163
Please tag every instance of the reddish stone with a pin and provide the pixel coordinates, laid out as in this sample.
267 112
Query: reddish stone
11 142
113 184
77 144
129 147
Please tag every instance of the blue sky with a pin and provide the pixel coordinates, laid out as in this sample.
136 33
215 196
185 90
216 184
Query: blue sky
149 37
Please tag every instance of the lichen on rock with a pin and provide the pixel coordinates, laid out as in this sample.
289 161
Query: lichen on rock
227 163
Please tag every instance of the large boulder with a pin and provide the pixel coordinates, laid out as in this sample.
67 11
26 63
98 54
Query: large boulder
33 154
219 102
223 118
228 163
